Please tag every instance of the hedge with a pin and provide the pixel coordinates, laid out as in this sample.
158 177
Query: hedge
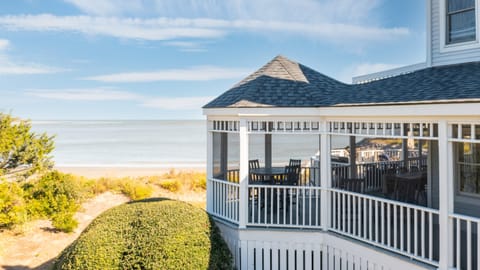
149 234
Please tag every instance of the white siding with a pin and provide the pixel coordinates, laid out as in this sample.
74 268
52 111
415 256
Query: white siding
444 58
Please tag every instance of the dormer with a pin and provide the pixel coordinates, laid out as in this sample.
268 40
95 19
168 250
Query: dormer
453 31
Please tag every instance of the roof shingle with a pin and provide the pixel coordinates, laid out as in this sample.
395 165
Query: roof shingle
285 83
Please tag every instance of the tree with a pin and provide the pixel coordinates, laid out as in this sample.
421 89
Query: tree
20 147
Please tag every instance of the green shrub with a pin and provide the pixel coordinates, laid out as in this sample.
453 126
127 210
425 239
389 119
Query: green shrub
134 189
64 221
180 181
150 234
56 196
171 185
12 205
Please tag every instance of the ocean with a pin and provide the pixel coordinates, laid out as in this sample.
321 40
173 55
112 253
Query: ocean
131 143
157 143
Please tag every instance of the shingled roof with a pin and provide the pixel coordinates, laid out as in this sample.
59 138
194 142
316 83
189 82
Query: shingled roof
285 83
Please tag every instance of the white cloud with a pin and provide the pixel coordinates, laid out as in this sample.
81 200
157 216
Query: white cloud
107 7
187 46
4 44
7 67
105 94
299 10
130 28
200 73
95 94
179 28
177 103
368 68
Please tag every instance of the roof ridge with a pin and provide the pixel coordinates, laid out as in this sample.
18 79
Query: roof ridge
279 59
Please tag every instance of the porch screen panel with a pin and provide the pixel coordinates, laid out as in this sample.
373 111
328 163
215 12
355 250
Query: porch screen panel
466 142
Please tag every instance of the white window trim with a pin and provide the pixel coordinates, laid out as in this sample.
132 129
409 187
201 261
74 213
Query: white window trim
444 47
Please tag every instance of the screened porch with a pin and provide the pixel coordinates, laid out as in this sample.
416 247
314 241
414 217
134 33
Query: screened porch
379 182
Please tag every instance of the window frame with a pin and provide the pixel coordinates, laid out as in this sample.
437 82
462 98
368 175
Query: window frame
446 47
448 18
457 166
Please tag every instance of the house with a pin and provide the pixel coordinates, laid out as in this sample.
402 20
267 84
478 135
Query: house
418 212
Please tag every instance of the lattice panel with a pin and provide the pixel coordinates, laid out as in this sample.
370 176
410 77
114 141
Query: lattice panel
284 126
226 126
416 130
465 132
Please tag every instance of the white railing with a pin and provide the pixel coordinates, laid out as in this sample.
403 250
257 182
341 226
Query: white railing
373 172
226 201
284 206
402 228
466 241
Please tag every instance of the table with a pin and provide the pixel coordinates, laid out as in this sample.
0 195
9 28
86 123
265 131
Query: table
269 175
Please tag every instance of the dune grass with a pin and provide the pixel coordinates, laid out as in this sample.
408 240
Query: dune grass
57 196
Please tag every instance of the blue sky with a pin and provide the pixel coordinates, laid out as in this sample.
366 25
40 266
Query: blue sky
164 59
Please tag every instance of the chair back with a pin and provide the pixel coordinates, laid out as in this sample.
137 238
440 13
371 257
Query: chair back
352 184
292 175
253 164
295 162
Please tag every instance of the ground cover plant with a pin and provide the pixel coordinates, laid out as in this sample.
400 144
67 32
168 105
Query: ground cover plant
149 234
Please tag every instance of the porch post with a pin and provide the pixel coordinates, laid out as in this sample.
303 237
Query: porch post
405 152
243 178
353 157
209 166
445 196
268 150
325 175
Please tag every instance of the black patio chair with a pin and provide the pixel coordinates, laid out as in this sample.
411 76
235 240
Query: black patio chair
295 162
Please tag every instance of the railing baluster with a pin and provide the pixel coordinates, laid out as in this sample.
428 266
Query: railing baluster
422 232
343 210
354 215
303 206
395 220
401 227
389 224
478 245
469 245
382 221
334 209
415 232
430 235
458 243
370 215
265 206
349 213
409 235
376 222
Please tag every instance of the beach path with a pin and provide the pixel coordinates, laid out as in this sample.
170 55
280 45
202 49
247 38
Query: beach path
39 244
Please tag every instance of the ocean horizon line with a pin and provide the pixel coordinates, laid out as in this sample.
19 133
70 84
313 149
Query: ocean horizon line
134 166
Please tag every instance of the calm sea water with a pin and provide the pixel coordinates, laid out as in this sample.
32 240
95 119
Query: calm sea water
127 143
179 143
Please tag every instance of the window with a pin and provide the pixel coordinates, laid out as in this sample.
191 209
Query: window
461 24
468 168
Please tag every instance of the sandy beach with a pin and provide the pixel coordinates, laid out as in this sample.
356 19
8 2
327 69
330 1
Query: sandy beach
115 172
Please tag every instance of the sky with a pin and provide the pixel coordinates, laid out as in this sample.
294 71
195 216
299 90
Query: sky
164 59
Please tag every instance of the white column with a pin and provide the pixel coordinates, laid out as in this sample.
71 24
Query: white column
445 196
209 166
243 207
325 175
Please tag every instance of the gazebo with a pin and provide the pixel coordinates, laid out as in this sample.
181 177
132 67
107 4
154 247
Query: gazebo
306 172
